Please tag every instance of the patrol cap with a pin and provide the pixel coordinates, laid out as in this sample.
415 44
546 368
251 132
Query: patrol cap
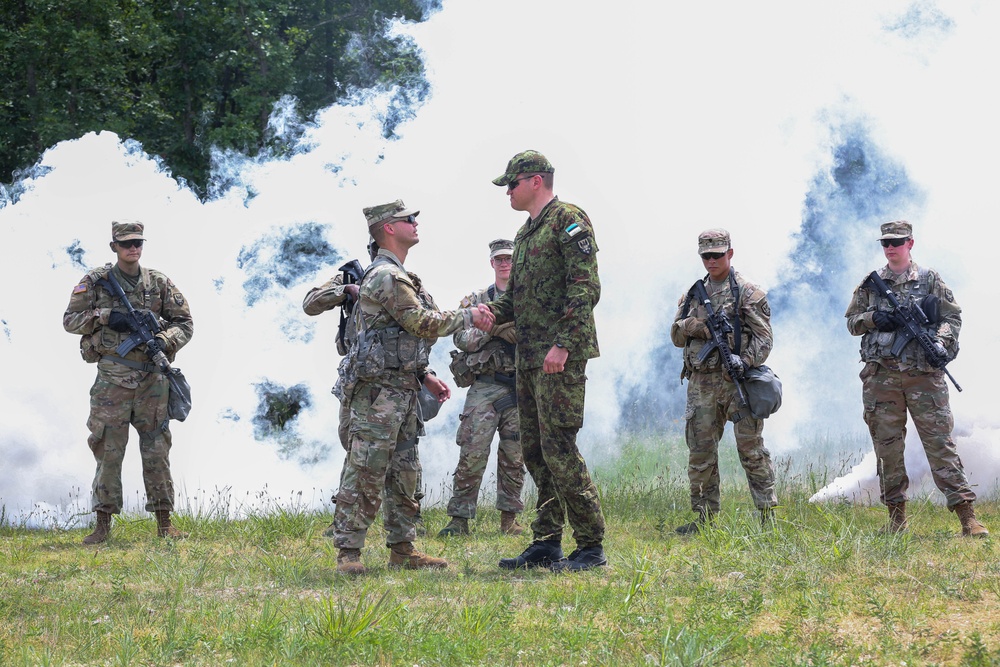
501 247
126 230
387 212
713 240
526 162
897 229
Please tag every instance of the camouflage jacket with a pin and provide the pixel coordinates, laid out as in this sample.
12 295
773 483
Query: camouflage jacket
910 287
553 286
485 352
91 305
326 297
756 337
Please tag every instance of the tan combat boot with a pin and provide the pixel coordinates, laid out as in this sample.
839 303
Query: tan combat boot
970 526
101 530
349 562
509 524
457 526
404 555
164 527
897 519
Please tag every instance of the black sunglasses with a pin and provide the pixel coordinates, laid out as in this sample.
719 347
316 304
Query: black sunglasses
895 243
513 184
412 219
131 243
712 255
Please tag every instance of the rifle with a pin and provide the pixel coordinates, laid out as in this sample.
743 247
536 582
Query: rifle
353 273
914 320
144 328
719 327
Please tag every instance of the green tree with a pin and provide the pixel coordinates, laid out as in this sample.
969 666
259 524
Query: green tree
182 76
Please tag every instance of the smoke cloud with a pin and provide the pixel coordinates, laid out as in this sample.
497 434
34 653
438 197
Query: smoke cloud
797 127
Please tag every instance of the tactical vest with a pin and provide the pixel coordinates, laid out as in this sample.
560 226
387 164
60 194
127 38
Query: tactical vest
495 356
877 345
727 306
106 340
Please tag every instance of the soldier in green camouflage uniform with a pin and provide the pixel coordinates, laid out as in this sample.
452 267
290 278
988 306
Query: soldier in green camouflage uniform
487 361
894 384
130 389
711 395
553 289
396 324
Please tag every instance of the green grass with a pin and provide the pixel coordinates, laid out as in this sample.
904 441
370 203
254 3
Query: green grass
822 587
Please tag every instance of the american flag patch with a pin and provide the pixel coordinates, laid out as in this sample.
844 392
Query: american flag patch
574 229
80 289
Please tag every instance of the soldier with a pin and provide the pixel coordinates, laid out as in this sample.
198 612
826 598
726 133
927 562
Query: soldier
711 394
129 389
553 289
487 360
895 383
396 324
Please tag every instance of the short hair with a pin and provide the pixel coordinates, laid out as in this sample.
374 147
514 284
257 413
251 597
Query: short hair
378 232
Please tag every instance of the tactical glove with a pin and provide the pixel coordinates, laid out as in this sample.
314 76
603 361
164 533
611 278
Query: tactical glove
738 366
119 322
694 327
886 321
507 332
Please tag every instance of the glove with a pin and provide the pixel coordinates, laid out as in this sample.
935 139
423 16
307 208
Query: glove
507 333
885 321
694 327
738 366
940 351
164 342
119 322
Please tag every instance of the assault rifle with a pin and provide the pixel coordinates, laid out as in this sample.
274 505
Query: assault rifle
719 327
144 326
914 319
353 273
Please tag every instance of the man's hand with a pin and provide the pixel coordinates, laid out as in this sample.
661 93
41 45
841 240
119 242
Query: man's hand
438 387
482 317
506 332
119 322
885 321
940 349
353 290
694 327
738 366
555 360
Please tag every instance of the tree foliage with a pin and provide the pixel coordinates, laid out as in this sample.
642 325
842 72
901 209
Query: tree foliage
182 76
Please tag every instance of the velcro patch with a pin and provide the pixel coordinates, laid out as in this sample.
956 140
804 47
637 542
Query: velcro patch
574 229
585 246
80 289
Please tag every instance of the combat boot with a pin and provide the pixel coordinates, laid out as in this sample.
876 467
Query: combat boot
695 527
970 525
404 555
102 529
897 519
349 562
509 524
164 528
457 526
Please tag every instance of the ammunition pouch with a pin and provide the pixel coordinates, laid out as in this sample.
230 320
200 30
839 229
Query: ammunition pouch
506 402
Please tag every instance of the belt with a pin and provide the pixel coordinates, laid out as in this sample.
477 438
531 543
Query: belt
146 366
497 378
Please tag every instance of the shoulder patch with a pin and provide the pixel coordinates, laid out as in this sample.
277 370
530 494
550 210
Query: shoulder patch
585 246
574 229
178 298
466 303
80 289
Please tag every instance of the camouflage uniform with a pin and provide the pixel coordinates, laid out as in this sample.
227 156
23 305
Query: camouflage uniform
891 386
551 295
396 323
318 300
712 398
493 386
122 395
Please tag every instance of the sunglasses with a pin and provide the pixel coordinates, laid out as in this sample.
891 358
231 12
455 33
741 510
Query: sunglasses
513 184
712 255
131 243
411 219
895 243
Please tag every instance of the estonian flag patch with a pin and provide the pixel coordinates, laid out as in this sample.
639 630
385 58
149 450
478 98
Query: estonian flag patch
574 229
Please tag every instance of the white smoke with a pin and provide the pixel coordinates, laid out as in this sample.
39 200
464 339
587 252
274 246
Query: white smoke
661 121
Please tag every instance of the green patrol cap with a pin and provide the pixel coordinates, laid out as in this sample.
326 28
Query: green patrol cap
126 230
527 162
386 212
897 229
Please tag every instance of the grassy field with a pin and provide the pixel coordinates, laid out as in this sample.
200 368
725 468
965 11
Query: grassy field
822 587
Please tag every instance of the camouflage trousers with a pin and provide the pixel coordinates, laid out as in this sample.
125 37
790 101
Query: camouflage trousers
382 461
112 409
711 400
550 410
887 395
479 422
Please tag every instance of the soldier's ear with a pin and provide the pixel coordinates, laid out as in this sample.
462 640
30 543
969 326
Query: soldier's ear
112 246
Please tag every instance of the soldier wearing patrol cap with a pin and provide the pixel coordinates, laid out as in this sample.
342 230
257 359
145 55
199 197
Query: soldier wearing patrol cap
396 323
554 286
893 384
486 360
129 389
711 394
